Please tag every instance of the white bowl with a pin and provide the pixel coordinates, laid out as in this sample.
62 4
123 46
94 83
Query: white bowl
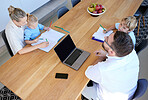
95 15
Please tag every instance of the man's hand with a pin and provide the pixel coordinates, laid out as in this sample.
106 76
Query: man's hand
100 59
100 53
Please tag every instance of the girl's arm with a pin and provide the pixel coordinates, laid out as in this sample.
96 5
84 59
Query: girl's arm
111 28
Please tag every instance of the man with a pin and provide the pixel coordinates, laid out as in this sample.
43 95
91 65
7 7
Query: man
116 78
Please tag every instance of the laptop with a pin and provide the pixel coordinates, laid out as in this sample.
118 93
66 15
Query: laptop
69 54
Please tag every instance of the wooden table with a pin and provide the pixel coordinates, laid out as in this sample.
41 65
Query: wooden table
32 76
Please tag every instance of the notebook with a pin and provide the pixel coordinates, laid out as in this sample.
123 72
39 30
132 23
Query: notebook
99 35
52 37
69 54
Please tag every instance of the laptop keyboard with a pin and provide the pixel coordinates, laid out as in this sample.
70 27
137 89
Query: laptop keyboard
73 57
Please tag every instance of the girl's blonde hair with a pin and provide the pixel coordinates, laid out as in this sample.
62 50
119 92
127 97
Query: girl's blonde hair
31 19
16 13
130 22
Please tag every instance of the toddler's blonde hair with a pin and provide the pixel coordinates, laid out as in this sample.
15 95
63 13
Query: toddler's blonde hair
130 22
31 19
16 13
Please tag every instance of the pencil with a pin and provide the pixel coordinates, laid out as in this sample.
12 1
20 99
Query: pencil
103 27
50 24
46 40
41 38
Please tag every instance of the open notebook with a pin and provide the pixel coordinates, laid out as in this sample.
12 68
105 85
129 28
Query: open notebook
99 35
52 36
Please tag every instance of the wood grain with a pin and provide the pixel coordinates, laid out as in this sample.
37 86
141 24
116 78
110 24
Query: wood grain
32 76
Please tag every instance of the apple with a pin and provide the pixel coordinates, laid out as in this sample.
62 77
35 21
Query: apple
100 11
94 5
95 12
100 7
97 7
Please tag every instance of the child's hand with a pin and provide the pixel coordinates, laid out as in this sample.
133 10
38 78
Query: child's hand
36 40
48 29
100 53
44 44
104 31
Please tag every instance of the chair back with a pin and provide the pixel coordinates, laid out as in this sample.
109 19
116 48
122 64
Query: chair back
6 43
74 2
141 46
62 11
141 88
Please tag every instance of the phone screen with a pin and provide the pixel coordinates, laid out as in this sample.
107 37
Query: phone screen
61 75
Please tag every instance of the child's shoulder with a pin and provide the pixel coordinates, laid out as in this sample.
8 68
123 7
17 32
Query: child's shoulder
131 32
27 30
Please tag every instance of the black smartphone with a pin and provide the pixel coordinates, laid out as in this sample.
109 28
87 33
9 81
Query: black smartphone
61 75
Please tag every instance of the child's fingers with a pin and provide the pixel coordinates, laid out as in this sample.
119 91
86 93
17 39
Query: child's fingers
48 29
104 31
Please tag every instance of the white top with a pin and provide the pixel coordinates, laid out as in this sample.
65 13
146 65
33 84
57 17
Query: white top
15 37
116 77
131 34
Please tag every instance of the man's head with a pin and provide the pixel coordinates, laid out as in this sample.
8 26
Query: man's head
118 44
128 24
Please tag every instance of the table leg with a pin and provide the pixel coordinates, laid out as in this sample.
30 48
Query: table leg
143 21
138 27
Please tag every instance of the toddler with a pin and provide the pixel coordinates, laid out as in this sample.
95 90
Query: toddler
33 29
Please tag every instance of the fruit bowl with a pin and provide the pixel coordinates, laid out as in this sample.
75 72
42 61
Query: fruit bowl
96 9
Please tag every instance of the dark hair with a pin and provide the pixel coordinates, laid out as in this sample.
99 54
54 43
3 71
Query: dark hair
122 44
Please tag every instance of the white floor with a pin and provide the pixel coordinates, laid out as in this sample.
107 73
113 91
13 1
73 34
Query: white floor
143 56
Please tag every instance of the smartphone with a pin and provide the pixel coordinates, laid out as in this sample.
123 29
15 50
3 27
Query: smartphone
61 75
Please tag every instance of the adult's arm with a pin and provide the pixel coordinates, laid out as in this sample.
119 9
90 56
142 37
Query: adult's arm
31 48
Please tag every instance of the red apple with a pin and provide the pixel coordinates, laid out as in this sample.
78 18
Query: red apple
100 6
100 11
95 12
97 7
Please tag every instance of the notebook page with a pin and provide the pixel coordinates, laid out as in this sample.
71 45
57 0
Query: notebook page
52 36
100 35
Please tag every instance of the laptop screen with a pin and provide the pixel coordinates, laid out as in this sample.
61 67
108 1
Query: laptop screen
64 48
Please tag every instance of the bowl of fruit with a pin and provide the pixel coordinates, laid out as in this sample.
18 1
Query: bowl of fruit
95 9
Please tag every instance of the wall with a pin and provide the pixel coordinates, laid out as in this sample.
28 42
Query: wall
27 5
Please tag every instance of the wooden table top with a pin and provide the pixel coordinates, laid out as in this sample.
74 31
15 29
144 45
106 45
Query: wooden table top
32 76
